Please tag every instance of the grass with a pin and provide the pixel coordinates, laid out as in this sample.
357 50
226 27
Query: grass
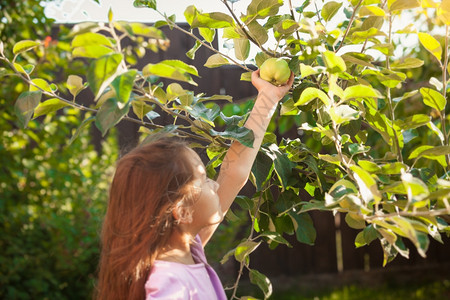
439 290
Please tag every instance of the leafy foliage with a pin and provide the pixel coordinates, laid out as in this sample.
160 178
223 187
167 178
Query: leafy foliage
372 115
51 195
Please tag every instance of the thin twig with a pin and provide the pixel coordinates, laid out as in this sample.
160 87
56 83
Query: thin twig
444 93
203 43
434 213
352 18
293 18
250 238
249 37
127 118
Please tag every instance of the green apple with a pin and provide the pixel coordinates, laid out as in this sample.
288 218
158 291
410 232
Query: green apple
275 71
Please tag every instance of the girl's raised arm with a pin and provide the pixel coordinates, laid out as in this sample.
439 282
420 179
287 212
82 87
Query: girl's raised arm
239 159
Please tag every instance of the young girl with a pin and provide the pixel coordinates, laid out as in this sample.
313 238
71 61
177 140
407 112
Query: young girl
162 211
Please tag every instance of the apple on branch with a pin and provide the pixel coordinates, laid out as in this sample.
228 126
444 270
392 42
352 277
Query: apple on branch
275 71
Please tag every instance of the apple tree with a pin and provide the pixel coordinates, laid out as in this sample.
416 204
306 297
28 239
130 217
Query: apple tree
370 113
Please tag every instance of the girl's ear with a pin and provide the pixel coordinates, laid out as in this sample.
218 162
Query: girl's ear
182 213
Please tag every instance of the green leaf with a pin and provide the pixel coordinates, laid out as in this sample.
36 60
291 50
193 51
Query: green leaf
310 94
48 106
329 10
91 39
147 31
216 60
207 33
357 148
403 4
286 27
92 51
431 152
420 240
102 71
288 108
191 52
28 68
260 9
153 135
361 91
275 237
431 44
307 70
189 13
230 33
241 134
241 48
437 131
172 69
433 99
23 46
355 221
208 115
140 107
25 105
370 234
244 249
109 114
83 125
371 27
110 15
283 166
261 169
413 122
40 84
414 186
358 58
443 12
262 282
342 114
145 3
258 32
386 49
217 97
246 76
233 120
387 78
370 10
407 63
393 168
212 20
334 63
174 90
419 150
304 227
123 85
75 84
367 185
359 240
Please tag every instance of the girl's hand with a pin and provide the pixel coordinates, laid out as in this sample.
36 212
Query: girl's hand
266 87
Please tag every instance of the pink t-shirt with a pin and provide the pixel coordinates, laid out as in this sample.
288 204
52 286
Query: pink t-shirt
176 281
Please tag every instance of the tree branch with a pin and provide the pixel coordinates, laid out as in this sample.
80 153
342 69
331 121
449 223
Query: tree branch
204 44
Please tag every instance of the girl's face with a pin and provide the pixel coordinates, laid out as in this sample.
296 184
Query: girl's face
206 207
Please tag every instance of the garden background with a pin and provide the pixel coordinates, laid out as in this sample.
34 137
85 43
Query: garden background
54 185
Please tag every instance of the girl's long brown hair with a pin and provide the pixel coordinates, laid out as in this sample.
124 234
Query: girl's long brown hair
148 183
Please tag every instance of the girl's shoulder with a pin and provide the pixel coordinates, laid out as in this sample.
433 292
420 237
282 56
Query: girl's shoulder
171 280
